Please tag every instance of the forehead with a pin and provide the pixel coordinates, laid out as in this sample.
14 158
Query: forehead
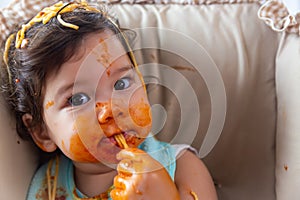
97 53
105 47
96 50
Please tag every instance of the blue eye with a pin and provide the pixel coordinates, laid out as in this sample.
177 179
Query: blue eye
122 83
78 99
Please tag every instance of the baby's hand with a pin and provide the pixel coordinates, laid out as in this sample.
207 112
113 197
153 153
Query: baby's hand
142 177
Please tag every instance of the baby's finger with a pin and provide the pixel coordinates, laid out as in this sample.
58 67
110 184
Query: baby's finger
121 187
117 194
126 167
120 182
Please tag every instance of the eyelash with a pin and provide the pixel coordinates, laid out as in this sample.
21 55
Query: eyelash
129 79
81 98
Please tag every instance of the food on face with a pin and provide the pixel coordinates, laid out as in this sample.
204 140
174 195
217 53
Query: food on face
121 141
140 113
78 150
49 104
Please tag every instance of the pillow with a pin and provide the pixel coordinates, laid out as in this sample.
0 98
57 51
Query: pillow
236 52
18 159
288 141
18 11
278 17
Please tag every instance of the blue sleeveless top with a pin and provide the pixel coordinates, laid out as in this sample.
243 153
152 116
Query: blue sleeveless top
162 152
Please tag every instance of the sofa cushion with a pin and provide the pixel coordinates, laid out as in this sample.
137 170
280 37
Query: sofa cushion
288 126
242 50
18 159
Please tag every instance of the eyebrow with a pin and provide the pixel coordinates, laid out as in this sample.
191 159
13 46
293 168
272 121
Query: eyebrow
63 89
121 69
71 85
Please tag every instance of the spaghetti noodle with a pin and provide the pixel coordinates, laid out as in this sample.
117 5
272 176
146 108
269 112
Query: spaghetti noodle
121 141
194 195
53 11
52 190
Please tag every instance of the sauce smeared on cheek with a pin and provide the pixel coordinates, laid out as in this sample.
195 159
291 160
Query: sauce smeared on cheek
140 113
79 152
108 72
78 149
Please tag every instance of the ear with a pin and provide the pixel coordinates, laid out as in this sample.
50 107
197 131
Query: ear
39 134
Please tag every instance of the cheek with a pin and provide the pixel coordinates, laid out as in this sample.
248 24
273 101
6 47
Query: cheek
82 144
140 113
78 151
139 108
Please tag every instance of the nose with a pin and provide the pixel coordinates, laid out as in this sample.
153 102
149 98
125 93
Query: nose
104 112
106 119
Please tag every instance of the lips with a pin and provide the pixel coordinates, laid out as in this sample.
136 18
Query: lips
114 141
108 146
130 137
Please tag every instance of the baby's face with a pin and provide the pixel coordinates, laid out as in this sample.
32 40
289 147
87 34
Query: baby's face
94 96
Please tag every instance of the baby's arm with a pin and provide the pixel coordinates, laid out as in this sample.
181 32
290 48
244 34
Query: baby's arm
192 176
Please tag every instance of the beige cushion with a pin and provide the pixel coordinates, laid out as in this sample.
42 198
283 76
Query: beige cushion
213 64
18 159
243 48
288 124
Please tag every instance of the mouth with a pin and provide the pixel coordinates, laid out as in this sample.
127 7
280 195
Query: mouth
121 141
124 139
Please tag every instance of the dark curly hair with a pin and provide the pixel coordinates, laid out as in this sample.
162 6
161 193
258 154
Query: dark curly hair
49 46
